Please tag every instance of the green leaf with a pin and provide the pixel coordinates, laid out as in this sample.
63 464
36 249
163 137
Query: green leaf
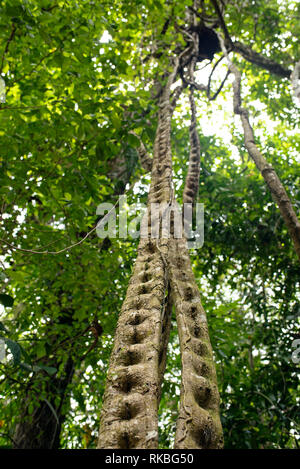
15 350
2 327
50 370
6 300
220 352
133 140
2 276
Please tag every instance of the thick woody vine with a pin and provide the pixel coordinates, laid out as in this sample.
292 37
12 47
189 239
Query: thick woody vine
163 281
163 277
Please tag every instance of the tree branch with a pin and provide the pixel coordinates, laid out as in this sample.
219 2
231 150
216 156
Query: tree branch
271 178
12 34
257 59
249 54
145 158
228 39
213 97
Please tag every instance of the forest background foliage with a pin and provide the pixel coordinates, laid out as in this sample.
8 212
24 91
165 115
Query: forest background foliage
78 80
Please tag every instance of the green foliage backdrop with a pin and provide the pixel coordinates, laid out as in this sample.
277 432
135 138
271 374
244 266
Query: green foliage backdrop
78 78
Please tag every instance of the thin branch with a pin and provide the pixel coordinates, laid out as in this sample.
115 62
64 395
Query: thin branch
205 18
213 97
23 108
27 75
50 8
12 34
197 86
222 22
7 435
67 248
29 108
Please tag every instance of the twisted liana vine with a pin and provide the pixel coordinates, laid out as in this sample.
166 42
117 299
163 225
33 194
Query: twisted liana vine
130 406
162 277
269 174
